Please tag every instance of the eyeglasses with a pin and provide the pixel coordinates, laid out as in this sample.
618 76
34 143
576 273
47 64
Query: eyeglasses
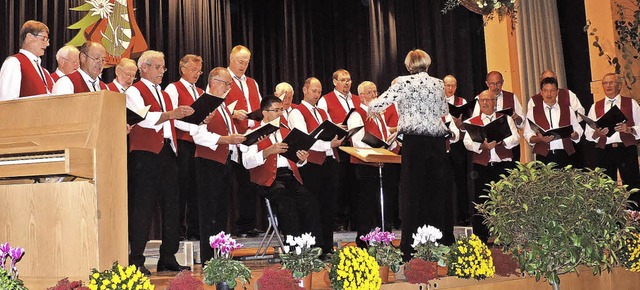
193 70
494 84
345 81
225 82
277 110
158 67
96 59
608 83
44 37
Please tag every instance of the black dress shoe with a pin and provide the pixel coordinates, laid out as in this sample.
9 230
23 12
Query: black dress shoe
171 267
144 270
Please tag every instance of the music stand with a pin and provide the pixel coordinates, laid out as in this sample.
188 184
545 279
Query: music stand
378 156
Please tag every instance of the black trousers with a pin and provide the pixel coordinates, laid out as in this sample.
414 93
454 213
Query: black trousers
295 206
213 181
391 184
559 157
459 166
346 192
244 198
155 182
368 195
624 159
320 180
187 195
484 175
425 189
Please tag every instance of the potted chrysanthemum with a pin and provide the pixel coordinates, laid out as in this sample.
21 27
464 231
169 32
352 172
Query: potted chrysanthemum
352 268
119 277
222 270
471 258
382 249
301 258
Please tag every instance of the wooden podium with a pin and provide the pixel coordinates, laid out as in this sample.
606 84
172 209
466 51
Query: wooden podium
66 228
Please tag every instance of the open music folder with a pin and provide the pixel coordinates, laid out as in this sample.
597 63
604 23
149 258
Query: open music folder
496 130
610 120
297 140
465 111
557 133
264 130
328 130
134 117
202 107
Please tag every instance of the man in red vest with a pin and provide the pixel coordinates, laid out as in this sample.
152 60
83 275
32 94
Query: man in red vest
68 62
279 178
245 91
458 154
319 172
87 77
184 92
367 177
619 151
215 156
504 100
549 115
22 74
490 159
338 103
153 145
125 75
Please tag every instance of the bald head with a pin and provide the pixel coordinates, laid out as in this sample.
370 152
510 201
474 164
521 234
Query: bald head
487 101
92 58
126 72
450 85
312 90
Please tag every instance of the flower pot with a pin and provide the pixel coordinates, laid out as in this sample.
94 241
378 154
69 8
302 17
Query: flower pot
443 271
222 286
305 282
384 274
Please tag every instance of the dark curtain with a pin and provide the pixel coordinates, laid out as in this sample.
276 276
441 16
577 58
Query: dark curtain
575 47
290 40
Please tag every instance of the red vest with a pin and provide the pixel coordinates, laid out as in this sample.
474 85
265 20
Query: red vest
627 109
112 87
563 98
265 174
55 77
391 116
372 127
145 139
219 126
31 82
540 118
316 157
185 99
79 85
237 94
508 101
483 157
335 109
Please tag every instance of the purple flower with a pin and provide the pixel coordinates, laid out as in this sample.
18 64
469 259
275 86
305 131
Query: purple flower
223 244
4 253
16 254
378 237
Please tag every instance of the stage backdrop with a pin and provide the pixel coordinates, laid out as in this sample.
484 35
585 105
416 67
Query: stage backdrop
290 40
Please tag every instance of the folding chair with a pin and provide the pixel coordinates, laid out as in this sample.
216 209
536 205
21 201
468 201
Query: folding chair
272 230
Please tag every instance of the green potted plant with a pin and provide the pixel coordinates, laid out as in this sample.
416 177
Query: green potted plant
553 220
381 248
222 270
301 258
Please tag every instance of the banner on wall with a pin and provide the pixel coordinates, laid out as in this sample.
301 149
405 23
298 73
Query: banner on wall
112 23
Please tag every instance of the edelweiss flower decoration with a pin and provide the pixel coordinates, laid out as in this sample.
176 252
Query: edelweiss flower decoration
104 8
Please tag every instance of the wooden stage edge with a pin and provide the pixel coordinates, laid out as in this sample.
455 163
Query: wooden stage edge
618 279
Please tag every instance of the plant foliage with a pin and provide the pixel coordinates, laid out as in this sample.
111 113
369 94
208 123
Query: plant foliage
553 220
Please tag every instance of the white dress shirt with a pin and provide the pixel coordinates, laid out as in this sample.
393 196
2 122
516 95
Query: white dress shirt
209 139
252 158
173 94
574 102
11 75
615 138
355 120
135 102
64 86
296 120
508 142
